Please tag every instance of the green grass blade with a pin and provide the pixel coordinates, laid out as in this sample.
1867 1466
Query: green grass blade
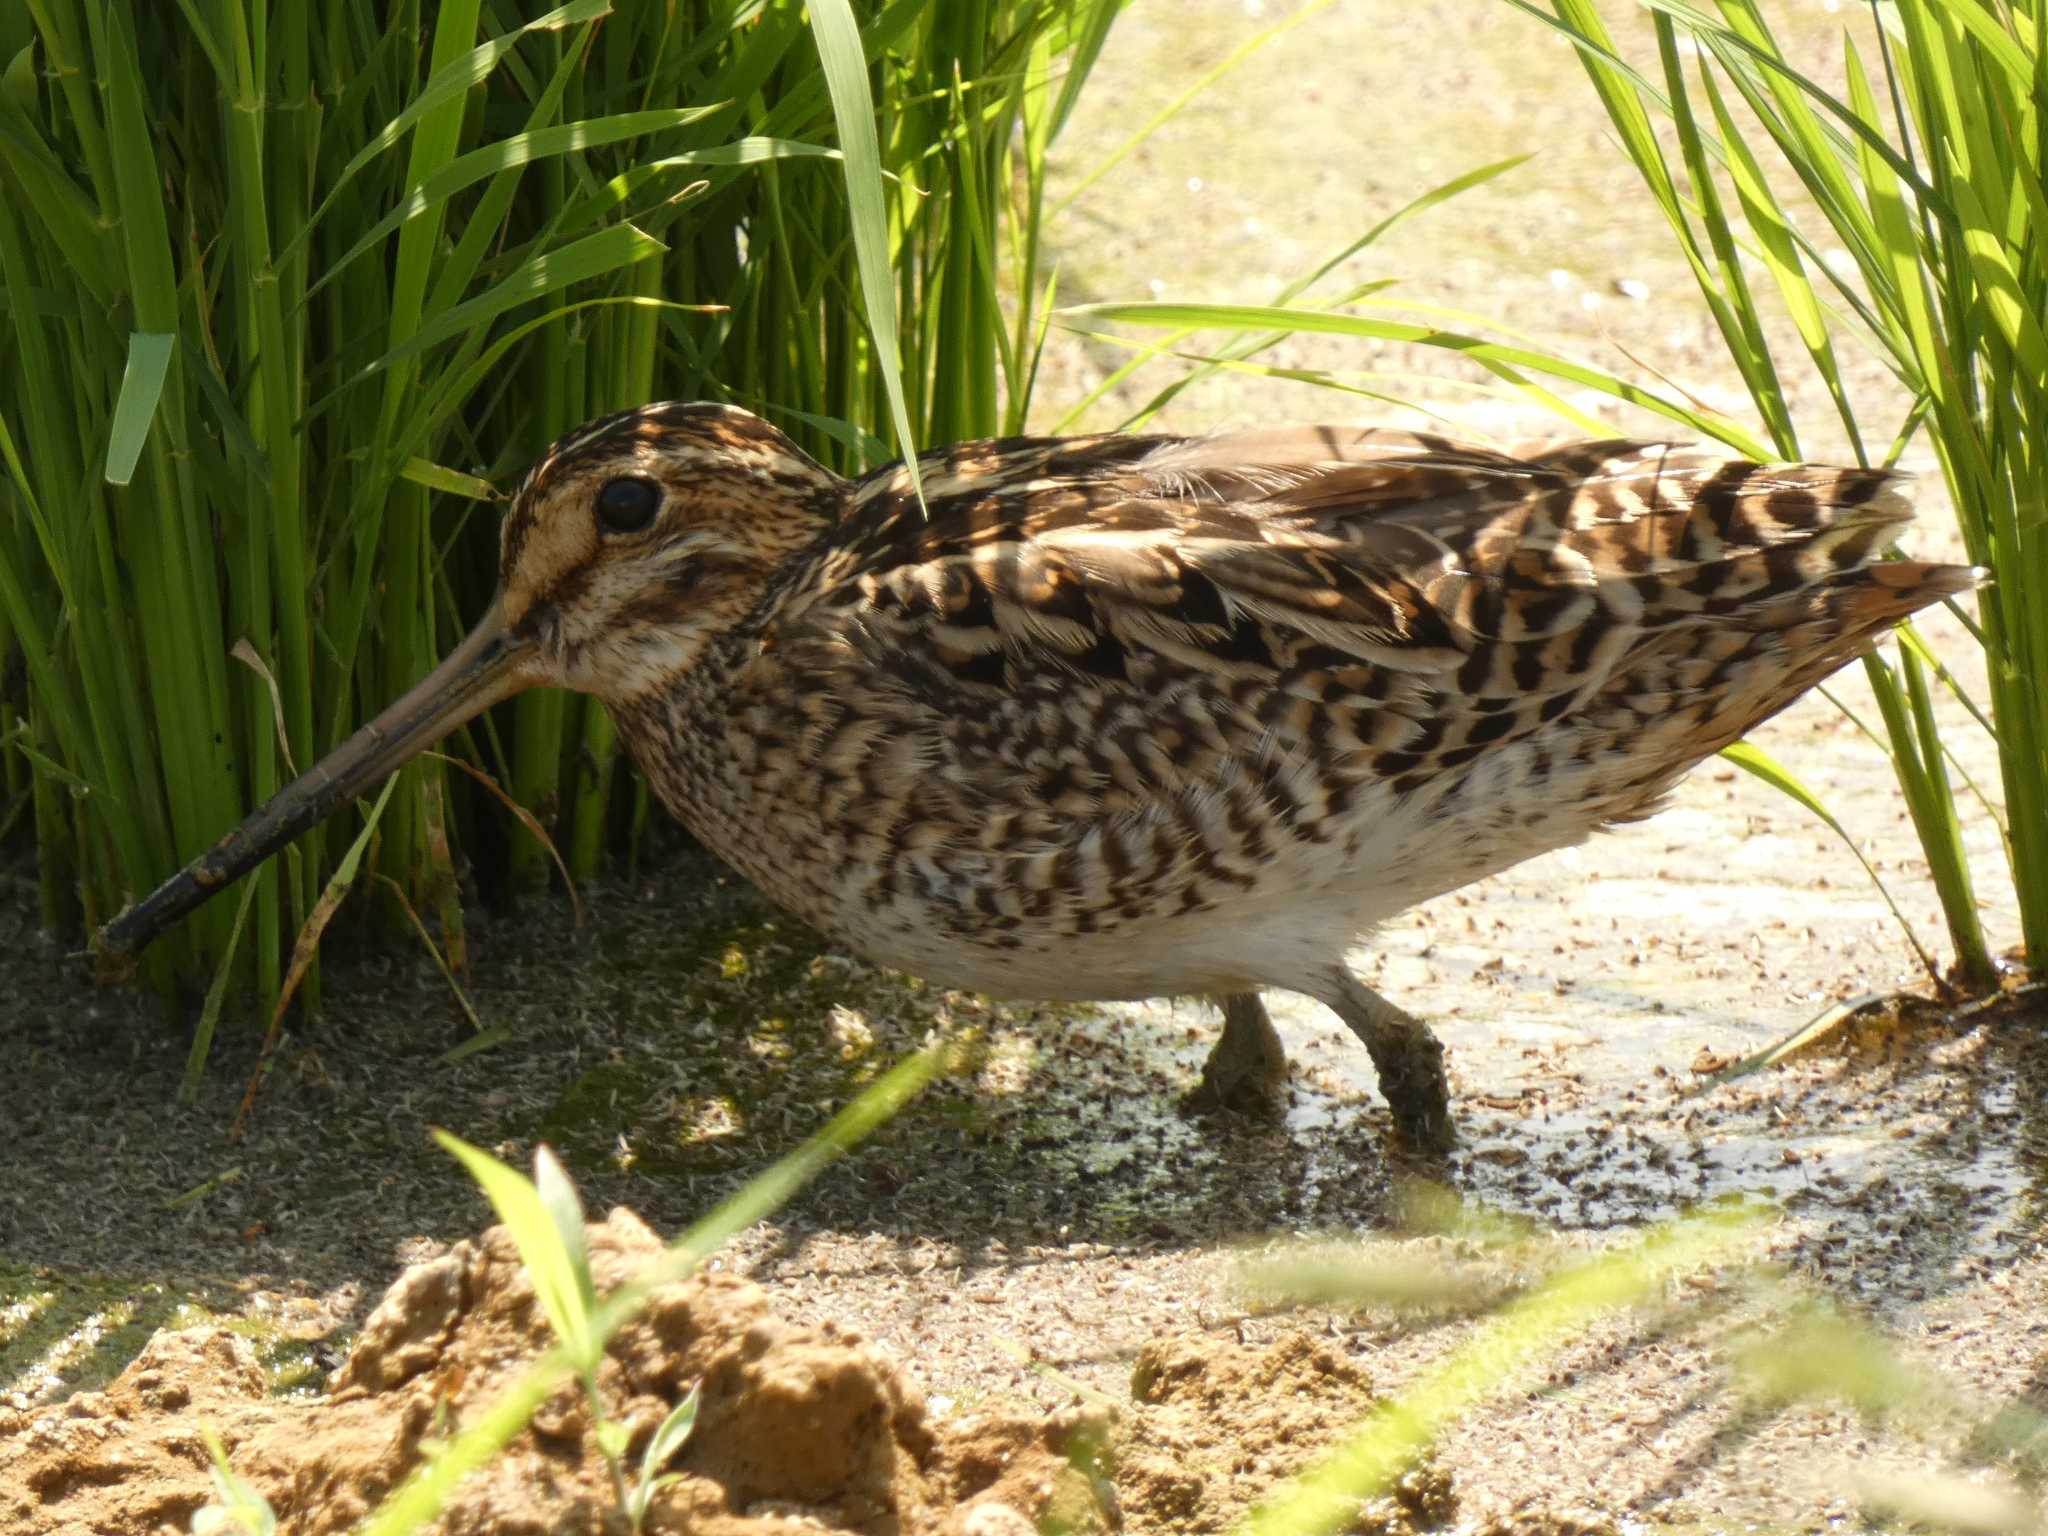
2011 305
1082 53
1250 345
142 386
565 1210
1931 804
1939 200
1780 252
453 482
550 1263
1195 88
669 1437
58 206
425 1493
592 257
594 203
1324 1500
216 991
1493 355
466 170
445 88
853 109
1753 759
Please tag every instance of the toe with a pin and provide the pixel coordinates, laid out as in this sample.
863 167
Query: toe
1238 1087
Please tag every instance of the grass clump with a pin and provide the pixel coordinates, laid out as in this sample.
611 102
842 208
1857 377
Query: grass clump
546 1220
1903 212
289 294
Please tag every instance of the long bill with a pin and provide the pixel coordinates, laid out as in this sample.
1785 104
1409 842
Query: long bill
488 666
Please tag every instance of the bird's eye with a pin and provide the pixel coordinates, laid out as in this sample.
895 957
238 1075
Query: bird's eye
628 504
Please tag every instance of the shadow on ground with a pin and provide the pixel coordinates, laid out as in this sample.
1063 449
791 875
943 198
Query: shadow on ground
685 1038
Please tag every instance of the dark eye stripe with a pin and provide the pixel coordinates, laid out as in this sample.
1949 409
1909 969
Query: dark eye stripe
628 504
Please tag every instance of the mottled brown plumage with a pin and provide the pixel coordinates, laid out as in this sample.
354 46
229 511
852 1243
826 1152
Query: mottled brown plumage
1120 717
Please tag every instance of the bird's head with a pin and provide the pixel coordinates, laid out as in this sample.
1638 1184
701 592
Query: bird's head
636 540
631 545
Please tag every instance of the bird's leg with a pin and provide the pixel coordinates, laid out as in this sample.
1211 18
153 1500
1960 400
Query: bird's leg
1248 1065
1410 1060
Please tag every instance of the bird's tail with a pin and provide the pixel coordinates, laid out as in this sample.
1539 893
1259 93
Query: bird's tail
1745 585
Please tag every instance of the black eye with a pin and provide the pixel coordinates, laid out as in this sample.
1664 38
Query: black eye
628 504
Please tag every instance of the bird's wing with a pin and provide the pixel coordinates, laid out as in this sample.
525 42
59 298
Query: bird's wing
1122 560
1394 605
1298 557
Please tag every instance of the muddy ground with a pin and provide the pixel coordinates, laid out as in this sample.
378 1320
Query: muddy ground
1043 1222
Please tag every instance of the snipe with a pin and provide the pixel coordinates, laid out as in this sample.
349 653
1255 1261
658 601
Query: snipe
1132 716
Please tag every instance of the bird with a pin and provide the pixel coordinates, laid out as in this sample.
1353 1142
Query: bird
1132 716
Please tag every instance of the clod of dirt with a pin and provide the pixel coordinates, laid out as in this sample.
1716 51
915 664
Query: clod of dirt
799 1428
1216 1424
1550 1522
1057 1465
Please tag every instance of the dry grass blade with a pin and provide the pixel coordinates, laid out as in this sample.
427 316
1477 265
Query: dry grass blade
1812 1032
307 944
476 1024
245 653
526 819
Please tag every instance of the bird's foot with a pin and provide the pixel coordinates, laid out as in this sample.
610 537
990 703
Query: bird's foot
1247 1071
1409 1060
1416 1089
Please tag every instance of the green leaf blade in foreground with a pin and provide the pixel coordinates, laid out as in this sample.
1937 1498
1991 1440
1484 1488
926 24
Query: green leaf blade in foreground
142 386
1324 1500
853 109
565 1209
532 1221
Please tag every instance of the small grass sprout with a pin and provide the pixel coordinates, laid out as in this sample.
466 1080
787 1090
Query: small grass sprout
235 1509
545 1217
489 1429
668 1438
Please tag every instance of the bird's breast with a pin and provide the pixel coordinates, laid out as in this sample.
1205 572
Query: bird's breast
1024 855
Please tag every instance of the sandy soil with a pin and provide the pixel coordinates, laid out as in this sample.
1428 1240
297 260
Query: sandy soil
1043 1237
798 1427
